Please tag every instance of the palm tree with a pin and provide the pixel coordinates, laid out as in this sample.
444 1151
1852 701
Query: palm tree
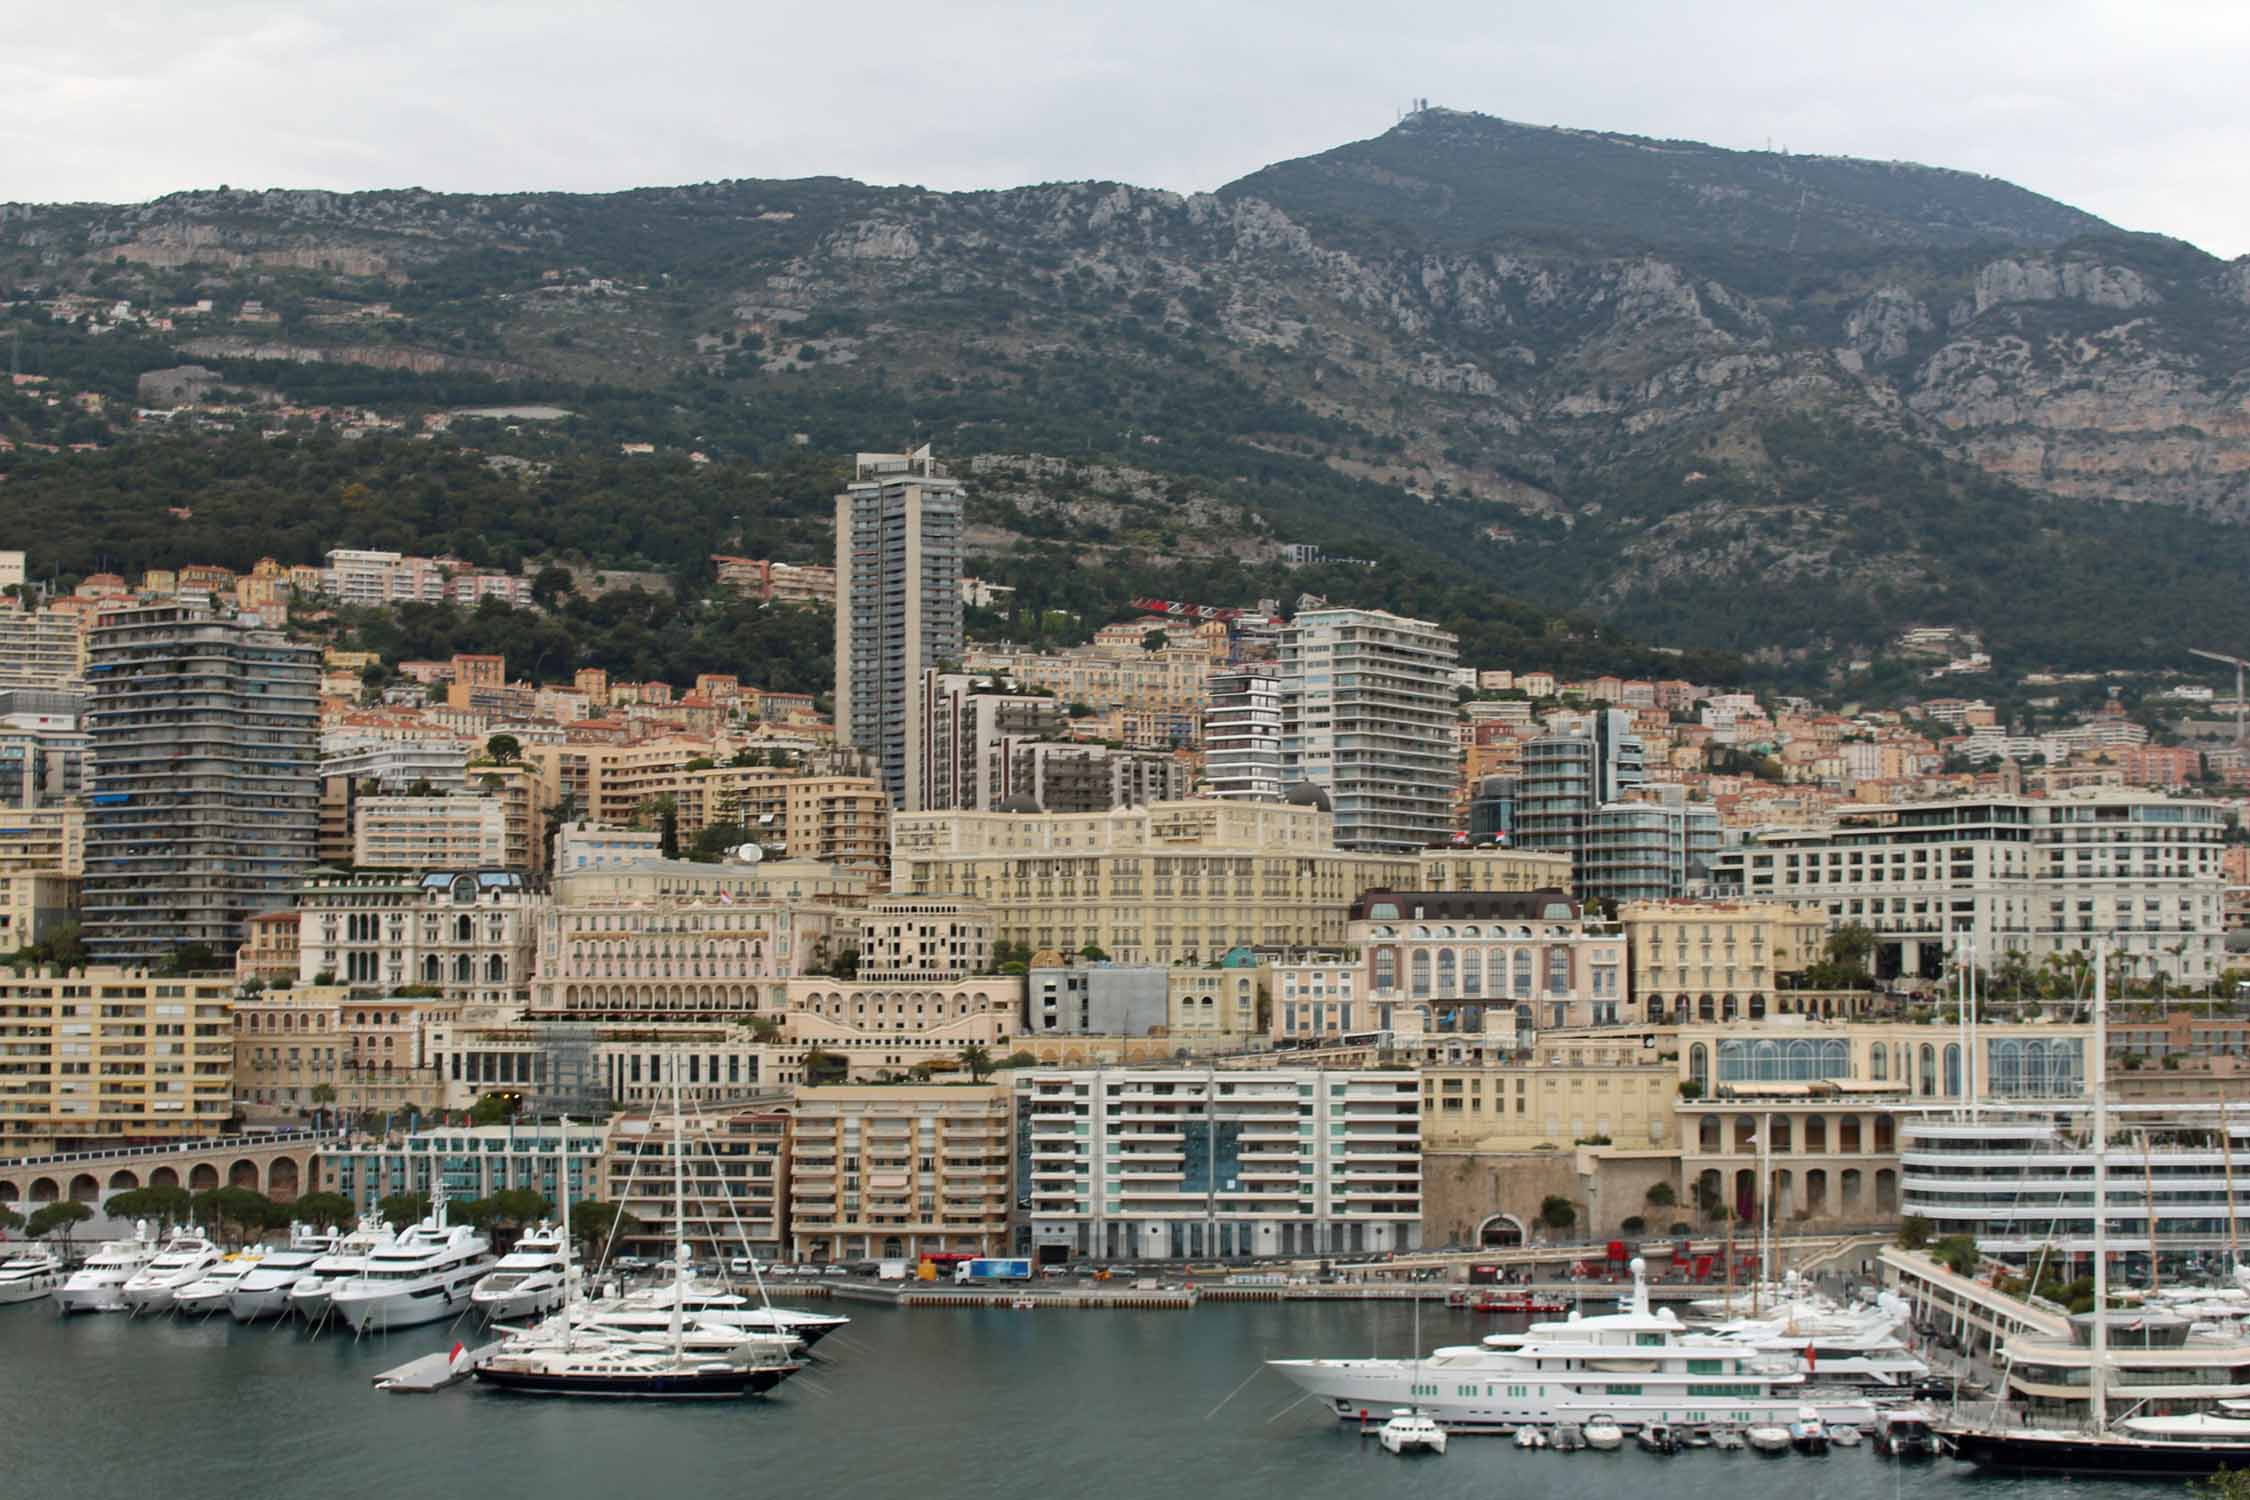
323 1095
977 1060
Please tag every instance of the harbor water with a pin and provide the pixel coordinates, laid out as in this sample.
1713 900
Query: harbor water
905 1404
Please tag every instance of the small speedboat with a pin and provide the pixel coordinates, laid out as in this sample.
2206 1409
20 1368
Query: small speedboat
1567 1438
1697 1437
1844 1435
1409 1432
1808 1434
1767 1437
1657 1437
1530 1437
1603 1435
1726 1439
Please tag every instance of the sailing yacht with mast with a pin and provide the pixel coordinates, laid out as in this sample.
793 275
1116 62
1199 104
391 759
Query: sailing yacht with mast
2195 1443
565 1357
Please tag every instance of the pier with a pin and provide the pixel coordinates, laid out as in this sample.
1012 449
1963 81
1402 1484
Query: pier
434 1372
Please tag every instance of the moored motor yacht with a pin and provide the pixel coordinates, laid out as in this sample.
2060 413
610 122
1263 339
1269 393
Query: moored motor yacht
1904 1432
1767 1437
1632 1366
309 1295
29 1275
264 1291
426 1276
183 1261
1602 1435
1808 1434
650 1309
527 1281
98 1285
208 1294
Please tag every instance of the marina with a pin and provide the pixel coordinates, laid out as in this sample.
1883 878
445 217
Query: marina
883 1405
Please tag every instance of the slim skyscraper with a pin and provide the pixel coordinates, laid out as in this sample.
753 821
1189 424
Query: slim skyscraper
205 802
898 608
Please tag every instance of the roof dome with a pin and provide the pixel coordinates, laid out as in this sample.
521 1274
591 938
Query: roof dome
1021 802
1306 794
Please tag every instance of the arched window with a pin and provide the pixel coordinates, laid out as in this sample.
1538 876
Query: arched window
1386 968
464 929
1928 1078
432 970
1522 982
1448 980
1953 1069
1558 971
1418 966
496 970
1699 1066
1879 1062
462 972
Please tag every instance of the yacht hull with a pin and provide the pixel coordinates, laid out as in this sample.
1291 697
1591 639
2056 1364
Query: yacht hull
2065 1453
1359 1390
529 1302
695 1385
266 1302
26 1289
104 1297
402 1309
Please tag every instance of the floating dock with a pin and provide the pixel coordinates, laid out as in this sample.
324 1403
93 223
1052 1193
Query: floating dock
434 1372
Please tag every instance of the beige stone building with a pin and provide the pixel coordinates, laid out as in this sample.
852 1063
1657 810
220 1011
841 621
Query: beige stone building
900 1171
43 840
1226 1005
460 832
1163 883
1717 960
1524 1105
369 1053
104 1057
33 904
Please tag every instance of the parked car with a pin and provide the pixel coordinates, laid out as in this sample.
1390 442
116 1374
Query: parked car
836 1271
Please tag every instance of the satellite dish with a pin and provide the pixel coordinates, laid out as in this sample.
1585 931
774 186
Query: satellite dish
748 854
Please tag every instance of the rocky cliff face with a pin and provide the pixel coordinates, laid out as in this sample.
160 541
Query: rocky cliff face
1608 380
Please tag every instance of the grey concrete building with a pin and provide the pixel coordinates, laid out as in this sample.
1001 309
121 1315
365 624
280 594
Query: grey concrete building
205 790
1367 712
1096 1000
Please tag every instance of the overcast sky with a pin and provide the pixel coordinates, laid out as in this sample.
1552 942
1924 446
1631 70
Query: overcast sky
2131 111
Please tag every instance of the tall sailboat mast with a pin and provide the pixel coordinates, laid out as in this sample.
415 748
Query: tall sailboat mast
679 1214
2099 1077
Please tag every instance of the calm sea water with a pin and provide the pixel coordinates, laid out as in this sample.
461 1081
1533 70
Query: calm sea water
903 1405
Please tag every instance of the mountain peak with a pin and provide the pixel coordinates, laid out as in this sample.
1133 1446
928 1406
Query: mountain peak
1466 177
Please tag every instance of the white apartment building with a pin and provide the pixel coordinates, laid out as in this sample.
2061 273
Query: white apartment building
594 846
367 576
1188 1164
2009 875
429 833
1242 736
898 608
1368 713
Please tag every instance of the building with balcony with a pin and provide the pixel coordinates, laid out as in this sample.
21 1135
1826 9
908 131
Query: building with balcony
1127 1164
1367 714
1647 850
1570 774
321 1047
1717 960
467 934
1317 997
2018 877
205 790
1460 961
969 723
898 608
2023 1184
1242 737
736 1162
460 832
689 955
900 1171
105 1056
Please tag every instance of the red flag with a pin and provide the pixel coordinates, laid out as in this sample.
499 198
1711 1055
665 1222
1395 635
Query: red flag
1810 1362
453 1355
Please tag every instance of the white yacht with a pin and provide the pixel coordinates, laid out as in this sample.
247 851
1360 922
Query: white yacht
186 1256
208 1294
1835 1345
265 1290
710 1304
426 1277
308 1297
98 1285
527 1281
1632 1366
29 1275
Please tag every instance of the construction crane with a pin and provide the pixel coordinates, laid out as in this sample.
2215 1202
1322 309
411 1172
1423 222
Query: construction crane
2239 665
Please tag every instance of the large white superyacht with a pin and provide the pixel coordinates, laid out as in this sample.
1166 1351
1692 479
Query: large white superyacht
528 1280
99 1284
1633 1367
426 1277
29 1274
263 1291
1857 1345
186 1256
308 1297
